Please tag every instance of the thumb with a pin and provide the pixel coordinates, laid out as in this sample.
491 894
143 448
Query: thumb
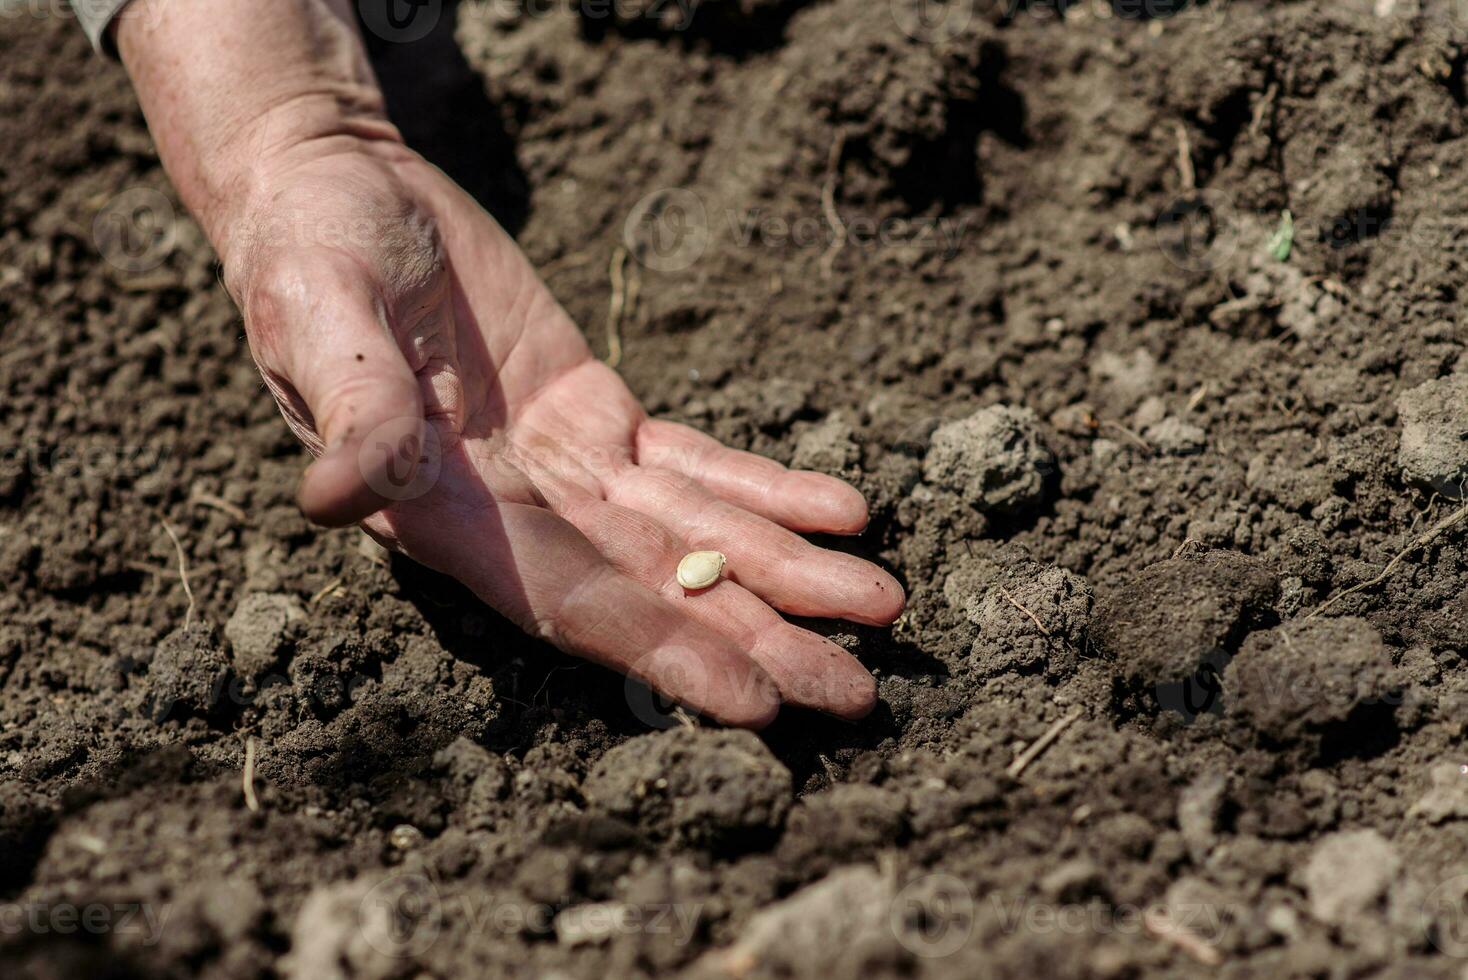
327 350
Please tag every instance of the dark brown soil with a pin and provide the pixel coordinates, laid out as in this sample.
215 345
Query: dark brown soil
1074 217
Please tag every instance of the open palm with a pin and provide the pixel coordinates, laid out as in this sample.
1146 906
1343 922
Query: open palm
459 414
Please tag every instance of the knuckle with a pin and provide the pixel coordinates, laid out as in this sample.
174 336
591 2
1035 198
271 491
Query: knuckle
284 284
351 403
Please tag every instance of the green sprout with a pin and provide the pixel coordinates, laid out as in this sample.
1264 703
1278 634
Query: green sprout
1283 238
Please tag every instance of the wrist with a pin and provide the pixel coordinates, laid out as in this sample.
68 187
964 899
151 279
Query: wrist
236 92
266 167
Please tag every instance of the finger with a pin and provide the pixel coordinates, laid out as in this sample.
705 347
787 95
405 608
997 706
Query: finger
775 564
329 355
808 669
547 577
797 499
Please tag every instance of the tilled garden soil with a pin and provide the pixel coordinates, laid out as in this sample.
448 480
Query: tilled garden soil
1137 326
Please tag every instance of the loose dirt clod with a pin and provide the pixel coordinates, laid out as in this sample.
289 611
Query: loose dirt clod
1434 448
1447 797
1297 683
842 824
1174 437
827 447
354 929
1198 808
831 926
261 631
1009 598
708 788
1174 615
187 674
1348 873
996 459
1029 615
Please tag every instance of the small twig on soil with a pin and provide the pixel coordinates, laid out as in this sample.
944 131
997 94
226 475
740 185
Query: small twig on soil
248 778
145 568
1262 106
1016 604
1188 543
543 684
1197 397
207 499
183 572
828 204
152 283
1220 313
1160 924
1185 158
573 261
1141 443
634 289
617 272
1022 761
326 590
1427 537
1417 518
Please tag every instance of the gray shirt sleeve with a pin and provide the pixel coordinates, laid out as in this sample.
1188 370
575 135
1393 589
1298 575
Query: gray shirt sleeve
95 16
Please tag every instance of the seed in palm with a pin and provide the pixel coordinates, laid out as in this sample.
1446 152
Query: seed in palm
700 569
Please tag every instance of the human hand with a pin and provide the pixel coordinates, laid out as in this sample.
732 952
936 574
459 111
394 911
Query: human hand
455 409
460 415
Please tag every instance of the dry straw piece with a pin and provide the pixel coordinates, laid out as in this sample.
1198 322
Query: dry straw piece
700 569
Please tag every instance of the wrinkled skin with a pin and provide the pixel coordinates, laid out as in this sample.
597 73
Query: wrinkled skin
440 377
455 410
